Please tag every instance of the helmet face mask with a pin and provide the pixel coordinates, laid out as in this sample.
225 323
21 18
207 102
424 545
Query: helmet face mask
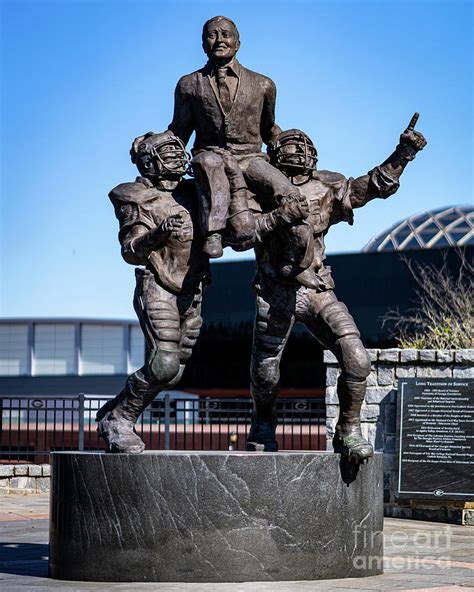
294 153
161 156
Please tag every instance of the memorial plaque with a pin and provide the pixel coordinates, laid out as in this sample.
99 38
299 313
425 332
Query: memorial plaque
436 438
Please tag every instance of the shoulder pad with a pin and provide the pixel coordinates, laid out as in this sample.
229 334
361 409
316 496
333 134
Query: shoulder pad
328 177
134 192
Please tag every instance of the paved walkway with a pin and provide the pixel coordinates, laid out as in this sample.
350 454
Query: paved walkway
419 556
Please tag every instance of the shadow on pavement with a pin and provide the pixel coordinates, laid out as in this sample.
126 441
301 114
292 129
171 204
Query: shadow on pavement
24 559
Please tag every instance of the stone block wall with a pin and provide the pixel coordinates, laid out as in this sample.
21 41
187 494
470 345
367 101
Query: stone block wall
24 478
379 416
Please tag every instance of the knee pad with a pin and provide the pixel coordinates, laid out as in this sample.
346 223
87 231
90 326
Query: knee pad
240 227
177 378
264 377
164 366
355 361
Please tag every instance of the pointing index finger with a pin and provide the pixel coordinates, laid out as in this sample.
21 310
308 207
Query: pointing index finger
413 120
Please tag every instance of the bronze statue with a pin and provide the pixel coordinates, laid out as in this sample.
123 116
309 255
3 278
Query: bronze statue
276 202
156 214
282 301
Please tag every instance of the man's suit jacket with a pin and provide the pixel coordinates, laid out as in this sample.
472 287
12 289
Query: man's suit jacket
250 121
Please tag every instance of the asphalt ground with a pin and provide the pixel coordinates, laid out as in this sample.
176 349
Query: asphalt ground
421 556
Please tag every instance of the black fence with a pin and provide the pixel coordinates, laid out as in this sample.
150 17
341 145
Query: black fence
32 427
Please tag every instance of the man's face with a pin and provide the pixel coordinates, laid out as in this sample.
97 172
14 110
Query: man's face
220 40
293 154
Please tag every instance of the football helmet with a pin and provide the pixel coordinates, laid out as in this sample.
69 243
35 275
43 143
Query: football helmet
160 155
293 152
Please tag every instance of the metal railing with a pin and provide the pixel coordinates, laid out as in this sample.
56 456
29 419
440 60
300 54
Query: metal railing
32 427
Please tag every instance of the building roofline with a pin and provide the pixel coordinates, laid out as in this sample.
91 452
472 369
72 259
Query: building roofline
390 237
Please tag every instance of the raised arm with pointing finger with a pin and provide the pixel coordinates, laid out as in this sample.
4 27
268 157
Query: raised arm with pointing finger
383 180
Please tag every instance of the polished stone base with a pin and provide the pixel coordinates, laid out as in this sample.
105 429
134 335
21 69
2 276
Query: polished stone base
214 517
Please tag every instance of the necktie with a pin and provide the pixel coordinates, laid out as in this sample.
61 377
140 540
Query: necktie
224 92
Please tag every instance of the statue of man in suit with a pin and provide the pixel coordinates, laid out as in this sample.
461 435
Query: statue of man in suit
232 109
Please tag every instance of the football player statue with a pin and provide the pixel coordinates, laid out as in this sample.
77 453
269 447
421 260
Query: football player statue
156 214
281 301
158 219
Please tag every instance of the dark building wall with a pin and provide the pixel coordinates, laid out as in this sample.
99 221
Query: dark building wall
368 283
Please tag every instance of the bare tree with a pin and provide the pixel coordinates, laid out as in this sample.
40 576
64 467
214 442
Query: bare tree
442 317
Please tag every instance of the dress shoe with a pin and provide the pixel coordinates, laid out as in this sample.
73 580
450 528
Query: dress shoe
213 246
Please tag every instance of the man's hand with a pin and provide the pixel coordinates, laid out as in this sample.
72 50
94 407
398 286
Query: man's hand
168 226
293 208
411 137
171 223
150 240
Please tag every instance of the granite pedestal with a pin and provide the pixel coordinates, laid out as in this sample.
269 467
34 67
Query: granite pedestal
214 517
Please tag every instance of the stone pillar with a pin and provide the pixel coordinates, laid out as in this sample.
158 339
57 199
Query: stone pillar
23 479
379 414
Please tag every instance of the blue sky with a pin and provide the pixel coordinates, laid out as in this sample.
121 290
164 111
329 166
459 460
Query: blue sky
82 78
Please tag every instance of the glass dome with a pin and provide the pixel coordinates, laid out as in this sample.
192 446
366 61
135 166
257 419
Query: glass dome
447 227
